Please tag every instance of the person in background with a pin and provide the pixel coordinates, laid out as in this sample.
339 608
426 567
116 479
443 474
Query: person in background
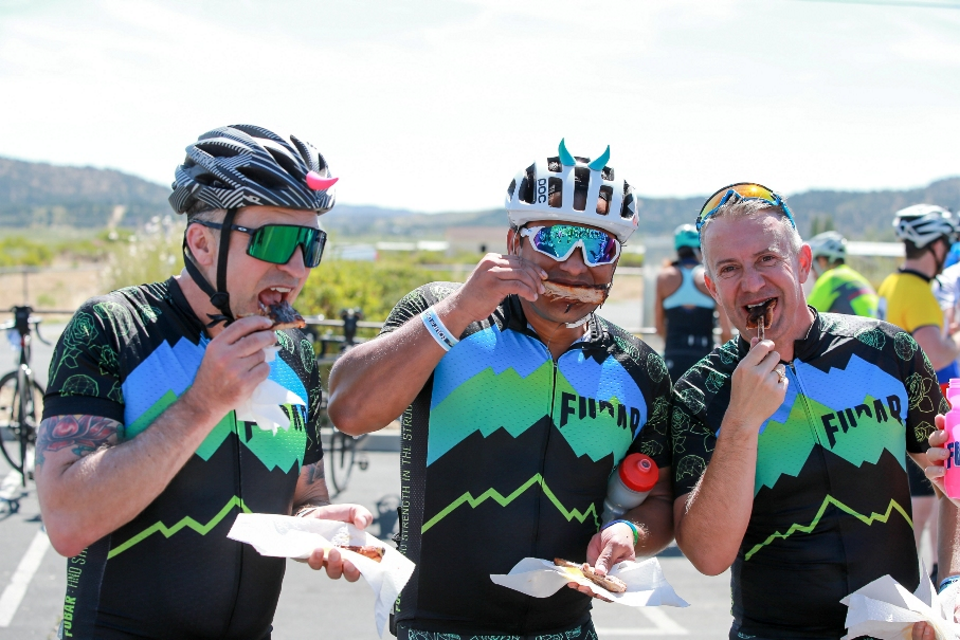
149 449
685 314
907 300
518 402
787 442
838 288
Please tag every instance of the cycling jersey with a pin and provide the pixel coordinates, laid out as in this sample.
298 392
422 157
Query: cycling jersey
506 454
171 572
843 290
831 508
907 301
689 317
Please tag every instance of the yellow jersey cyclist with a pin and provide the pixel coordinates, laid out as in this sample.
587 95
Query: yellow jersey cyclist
839 289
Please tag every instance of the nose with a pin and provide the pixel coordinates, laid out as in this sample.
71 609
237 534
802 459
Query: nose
752 280
296 265
574 265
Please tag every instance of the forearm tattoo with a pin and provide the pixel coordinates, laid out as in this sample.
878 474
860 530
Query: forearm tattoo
81 434
313 473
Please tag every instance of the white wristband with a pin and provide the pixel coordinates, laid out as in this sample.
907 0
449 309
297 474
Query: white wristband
437 329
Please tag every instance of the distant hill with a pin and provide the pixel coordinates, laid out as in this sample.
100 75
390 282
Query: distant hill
41 194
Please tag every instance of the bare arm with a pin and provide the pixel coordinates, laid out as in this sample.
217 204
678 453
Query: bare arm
395 366
90 483
659 317
711 520
940 349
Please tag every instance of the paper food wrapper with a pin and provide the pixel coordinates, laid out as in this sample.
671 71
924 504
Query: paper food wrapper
646 586
292 537
263 406
885 610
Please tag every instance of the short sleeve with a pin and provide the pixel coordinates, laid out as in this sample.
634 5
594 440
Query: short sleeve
409 306
314 450
84 374
924 398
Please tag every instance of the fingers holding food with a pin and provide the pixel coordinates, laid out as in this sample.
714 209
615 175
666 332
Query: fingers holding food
610 583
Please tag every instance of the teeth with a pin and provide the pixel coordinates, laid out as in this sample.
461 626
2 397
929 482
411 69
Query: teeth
281 289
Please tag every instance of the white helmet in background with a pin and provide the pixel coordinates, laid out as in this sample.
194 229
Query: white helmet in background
922 224
829 244
529 194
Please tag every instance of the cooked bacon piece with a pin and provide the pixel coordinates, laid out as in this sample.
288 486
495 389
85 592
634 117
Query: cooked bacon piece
283 315
370 551
610 583
583 293
764 312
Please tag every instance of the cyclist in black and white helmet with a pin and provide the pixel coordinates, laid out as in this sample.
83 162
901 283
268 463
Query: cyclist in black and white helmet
907 300
170 411
515 387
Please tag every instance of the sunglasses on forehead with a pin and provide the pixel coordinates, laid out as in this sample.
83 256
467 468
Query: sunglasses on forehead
276 243
559 241
742 191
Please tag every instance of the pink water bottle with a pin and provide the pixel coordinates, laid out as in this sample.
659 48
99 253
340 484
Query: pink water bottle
951 480
629 485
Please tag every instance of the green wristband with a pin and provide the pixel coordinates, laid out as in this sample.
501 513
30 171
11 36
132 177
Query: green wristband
633 527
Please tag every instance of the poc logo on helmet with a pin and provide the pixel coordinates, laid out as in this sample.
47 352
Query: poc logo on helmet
541 190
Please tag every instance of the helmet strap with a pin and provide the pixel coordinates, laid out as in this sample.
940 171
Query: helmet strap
219 298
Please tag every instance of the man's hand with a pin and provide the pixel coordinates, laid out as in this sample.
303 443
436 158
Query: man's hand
493 279
608 547
937 455
355 514
233 365
758 386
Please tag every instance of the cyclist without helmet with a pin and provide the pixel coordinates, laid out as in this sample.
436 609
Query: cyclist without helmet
149 422
838 289
684 312
512 385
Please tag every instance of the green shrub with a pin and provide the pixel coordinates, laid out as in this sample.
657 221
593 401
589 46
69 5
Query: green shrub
17 251
152 254
374 287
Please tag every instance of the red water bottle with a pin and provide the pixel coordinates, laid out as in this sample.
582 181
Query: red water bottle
629 485
951 481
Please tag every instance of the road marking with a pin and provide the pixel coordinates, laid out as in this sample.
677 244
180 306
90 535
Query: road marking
20 580
662 626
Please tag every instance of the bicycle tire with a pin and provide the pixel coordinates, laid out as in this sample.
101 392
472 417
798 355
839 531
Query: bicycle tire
20 421
340 458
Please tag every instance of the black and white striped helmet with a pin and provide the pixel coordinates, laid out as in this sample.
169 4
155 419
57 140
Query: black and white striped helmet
244 165
829 244
924 223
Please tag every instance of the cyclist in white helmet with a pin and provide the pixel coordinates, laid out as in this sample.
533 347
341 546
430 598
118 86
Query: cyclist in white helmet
685 314
907 300
839 289
519 403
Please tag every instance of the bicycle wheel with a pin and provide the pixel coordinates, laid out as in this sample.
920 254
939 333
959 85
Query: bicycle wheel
343 450
18 423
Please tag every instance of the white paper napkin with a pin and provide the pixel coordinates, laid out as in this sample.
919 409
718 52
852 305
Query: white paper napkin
646 586
263 406
885 610
297 538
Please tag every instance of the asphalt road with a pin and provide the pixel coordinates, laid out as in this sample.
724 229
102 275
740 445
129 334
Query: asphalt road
32 575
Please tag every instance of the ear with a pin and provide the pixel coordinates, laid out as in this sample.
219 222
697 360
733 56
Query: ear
202 245
711 286
513 242
805 258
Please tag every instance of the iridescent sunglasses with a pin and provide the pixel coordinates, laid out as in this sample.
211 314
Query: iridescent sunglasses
742 191
559 241
276 243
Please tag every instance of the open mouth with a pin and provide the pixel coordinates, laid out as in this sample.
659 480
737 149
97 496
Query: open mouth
273 296
760 315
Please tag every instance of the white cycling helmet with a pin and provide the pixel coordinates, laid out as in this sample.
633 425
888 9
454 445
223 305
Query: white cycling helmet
829 244
923 224
529 194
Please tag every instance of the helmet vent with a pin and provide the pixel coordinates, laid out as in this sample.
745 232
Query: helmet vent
603 202
262 177
582 184
607 173
511 188
553 164
289 164
555 189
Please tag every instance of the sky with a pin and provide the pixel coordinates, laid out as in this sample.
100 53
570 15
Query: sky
435 105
